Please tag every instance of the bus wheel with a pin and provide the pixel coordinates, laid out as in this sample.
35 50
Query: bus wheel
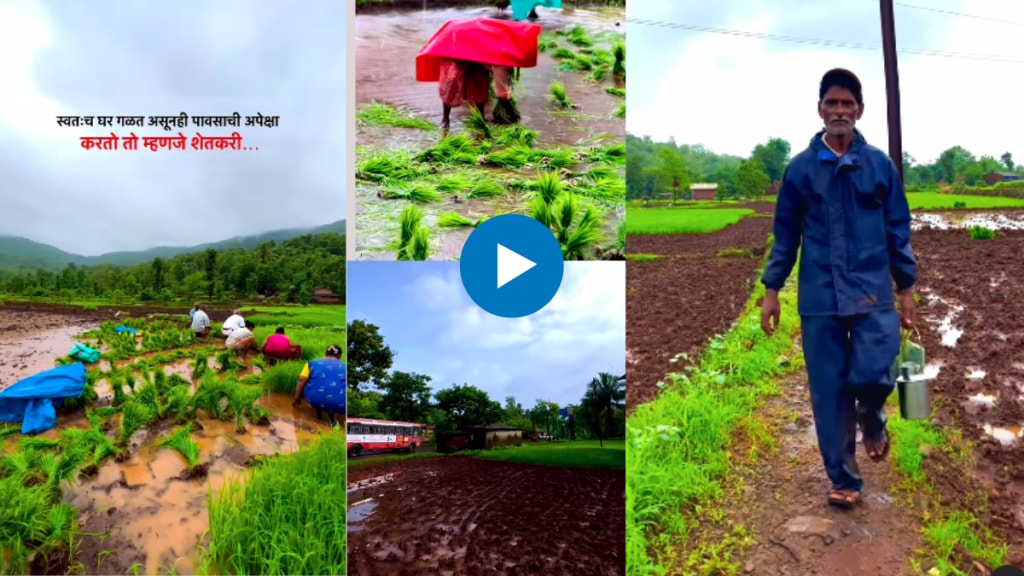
354 451
412 448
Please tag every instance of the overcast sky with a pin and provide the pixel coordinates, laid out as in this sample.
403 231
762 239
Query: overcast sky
121 57
730 92
427 318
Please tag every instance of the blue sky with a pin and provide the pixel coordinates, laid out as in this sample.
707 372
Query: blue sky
430 322
732 92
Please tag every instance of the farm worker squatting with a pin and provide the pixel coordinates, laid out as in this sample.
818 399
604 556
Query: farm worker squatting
323 384
843 200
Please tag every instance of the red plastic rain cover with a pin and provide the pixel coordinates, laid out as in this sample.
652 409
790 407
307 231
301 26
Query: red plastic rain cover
484 40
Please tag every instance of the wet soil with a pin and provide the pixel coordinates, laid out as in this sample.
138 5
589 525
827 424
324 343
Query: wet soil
986 277
678 301
147 509
386 46
461 515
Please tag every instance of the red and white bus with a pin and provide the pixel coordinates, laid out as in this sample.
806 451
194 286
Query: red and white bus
369 435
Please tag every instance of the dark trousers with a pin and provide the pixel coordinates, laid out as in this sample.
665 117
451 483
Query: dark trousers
848 362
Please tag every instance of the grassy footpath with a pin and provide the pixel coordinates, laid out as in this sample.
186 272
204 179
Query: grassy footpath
678 446
286 517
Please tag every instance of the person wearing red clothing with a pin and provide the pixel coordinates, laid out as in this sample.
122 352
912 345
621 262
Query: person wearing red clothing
279 347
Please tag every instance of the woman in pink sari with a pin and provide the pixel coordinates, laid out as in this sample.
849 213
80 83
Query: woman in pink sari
462 81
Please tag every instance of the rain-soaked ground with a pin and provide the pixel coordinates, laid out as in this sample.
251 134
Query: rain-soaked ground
143 513
386 48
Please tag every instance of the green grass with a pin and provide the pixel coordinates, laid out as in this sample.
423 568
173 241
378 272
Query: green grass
286 516
364 461
383 115
678 454
681 220
937 201
567 453
314 315
642 257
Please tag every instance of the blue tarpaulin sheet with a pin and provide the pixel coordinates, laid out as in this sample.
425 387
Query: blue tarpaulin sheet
521 8
123 329
85 354
33 401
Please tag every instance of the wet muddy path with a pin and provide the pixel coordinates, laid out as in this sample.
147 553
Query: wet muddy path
144 511
386 47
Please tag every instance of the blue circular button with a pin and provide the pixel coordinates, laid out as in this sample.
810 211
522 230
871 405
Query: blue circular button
511 266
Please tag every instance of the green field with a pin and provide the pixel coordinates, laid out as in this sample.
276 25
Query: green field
681 220
937 201
567 453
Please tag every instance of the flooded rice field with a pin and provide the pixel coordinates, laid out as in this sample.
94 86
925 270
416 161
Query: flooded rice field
139 496
463 515
409 171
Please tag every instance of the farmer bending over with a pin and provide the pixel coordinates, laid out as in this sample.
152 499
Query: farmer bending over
842 199
462 81
201 322
242 340
234 322
322 383
279 347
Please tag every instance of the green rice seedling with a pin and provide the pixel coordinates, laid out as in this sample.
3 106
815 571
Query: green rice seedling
227 361
563 158
485 188
160 381
577 236
147 393
20 462
175 380
563 54
181 442
452 183
513 157
549 186
381 115
541 212
546 42
619 112
567 65
617 92
387 166
286 516
477 123
577 36
456 220
177 401
209 395
408 222
513 135
134 415
619 67
62 468
8 430
419 248
457 149
614 155
599 173
603 57
420 192
599 73
558 96
982 233
608 190
506 112
620 236
86 398
107 412
200 365
37 443
583 63
282 377
242 402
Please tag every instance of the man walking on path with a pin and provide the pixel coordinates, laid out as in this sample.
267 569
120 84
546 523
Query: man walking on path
842 201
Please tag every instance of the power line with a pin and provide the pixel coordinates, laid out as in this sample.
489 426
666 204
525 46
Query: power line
952 13
822 42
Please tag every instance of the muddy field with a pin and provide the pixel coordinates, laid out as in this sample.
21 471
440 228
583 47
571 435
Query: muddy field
689 294
972 294
387 42
462 515
141 511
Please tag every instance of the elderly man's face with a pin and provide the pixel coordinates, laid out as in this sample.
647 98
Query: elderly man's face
840 111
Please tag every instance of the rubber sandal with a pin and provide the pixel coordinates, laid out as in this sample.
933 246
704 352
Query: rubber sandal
844 499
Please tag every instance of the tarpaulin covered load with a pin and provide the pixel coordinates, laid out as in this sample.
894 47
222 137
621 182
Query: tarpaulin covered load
483 40
521 8
33 401
85 354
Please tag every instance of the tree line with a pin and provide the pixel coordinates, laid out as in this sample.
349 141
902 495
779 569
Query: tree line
376 391
288 271
667 169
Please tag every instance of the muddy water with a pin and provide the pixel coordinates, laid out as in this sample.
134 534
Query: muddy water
33 350
387 45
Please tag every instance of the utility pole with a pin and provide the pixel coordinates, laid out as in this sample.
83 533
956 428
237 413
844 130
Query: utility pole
892 84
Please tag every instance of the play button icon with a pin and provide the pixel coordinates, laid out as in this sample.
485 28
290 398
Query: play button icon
511 266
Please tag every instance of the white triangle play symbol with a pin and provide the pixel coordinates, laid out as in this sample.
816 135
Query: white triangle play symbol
511 265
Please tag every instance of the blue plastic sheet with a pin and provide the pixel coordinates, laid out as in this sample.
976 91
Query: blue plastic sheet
85 354
123 329
521 8
33 401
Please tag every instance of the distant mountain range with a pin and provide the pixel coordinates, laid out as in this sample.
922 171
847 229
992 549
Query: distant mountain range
17 252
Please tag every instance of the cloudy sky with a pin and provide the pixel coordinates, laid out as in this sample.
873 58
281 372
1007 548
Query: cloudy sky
119 57
427 318
731 92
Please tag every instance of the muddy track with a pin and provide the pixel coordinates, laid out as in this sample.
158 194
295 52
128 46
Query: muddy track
677 302
463 515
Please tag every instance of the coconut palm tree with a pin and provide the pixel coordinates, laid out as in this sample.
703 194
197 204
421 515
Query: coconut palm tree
606 395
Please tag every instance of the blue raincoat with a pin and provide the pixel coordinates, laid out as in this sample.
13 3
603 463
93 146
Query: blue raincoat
33 402
521 8
849 220
327 385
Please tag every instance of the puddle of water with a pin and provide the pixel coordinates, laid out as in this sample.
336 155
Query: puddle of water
976 374
1005 435
985 400
371 482
358 513
949 334
931 371
962 221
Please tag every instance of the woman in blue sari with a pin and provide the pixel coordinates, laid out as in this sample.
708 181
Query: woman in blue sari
322 383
